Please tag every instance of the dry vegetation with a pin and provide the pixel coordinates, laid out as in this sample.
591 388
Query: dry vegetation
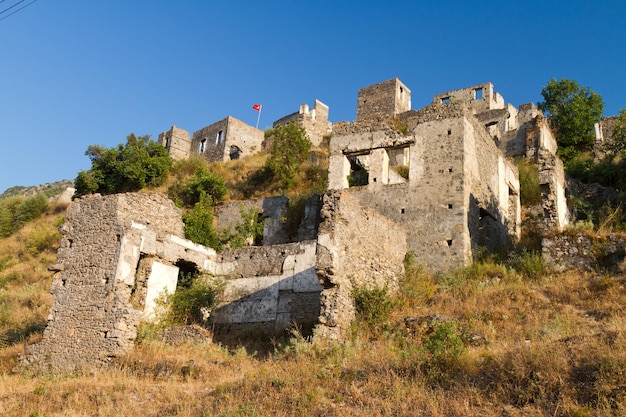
502 339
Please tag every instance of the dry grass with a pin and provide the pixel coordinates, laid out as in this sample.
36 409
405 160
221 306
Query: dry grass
553 345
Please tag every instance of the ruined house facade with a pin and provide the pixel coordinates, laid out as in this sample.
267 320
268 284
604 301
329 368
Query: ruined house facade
120 252
224 140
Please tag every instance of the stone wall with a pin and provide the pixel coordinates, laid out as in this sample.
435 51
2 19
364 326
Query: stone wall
92 319
460 192
384 99
177 141
479 97
582 251
355 246
227 139
273 285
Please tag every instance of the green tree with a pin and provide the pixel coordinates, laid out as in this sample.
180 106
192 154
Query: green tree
139 163
199 224
291 148
572 110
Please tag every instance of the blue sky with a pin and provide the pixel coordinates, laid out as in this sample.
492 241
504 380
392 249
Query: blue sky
77 73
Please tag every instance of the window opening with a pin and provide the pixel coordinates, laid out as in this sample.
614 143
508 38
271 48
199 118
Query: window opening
449 241
220 137
358 173
235 152
445 100
202 145
478 93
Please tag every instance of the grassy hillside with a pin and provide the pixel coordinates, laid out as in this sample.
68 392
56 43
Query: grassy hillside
499 338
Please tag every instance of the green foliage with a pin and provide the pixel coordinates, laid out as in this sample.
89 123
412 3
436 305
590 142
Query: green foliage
191 303
139 163
16 211
199 224
44 237
530 264
402 170
373 305
572 110
250 227
358 178
530 191
202 184
442 350
291 148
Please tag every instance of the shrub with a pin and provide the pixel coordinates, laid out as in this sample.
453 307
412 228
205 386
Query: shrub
442 350
16 211
530 191
203 183
139 163
191 303
530 264
290 149
199 224
373 305
250 227
43 237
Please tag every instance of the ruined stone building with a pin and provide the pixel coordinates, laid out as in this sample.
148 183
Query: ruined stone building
435 181
442 172
227 139
604 132
314 121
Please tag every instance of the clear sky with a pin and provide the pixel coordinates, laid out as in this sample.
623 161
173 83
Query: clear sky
76 73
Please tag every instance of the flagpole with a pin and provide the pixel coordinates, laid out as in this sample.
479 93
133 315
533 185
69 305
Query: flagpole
258 117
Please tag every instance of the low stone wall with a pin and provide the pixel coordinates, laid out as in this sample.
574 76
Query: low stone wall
583 251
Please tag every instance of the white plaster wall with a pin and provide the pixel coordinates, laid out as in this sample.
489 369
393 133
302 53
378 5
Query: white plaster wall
163 278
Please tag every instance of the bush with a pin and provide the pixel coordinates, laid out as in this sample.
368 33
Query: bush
203 183
44 237
191 304
442 350
139 163
250 227
199 224
373 305
290 149
16 211
530 264
530 191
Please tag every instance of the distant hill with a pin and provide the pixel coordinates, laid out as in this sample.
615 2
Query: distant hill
50 190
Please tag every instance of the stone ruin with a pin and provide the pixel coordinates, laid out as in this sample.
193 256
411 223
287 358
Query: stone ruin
120 252
437 182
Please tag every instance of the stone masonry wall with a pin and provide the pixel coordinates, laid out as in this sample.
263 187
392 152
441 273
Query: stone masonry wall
91 319
348 255
234 133
384 99
177 141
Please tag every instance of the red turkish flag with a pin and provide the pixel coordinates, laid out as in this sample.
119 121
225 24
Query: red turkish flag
257 107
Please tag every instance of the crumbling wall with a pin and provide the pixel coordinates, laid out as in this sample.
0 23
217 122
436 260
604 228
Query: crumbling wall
479 98
604 132
582 251
457 180
349 255
272 211
92 319
276 286
385 99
